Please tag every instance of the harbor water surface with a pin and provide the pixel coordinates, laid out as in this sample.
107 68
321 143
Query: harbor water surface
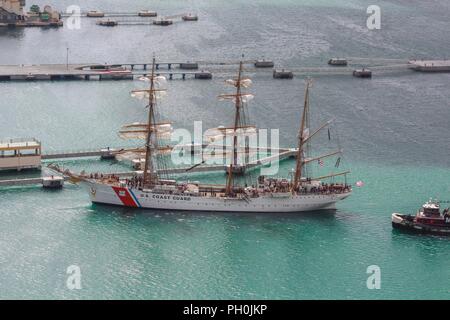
394 129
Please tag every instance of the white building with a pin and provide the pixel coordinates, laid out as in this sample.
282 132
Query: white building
18 154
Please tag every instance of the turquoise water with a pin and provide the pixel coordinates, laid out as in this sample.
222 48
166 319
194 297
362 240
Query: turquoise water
393 128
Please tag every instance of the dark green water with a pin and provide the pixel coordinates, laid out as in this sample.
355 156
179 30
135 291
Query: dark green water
393 128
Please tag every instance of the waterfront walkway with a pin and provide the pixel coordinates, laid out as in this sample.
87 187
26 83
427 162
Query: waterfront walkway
202 69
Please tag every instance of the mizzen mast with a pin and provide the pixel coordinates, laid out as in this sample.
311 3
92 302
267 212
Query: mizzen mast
302 136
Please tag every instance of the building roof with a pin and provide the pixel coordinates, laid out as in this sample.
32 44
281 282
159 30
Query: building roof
19 144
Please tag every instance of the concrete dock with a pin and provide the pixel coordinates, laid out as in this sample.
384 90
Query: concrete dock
194 70
23 182
430 65
103 153
53 72
120 71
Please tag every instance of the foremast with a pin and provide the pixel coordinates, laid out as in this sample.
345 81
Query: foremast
152 128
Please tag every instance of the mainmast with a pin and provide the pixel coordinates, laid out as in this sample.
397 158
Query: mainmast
239 127
301 140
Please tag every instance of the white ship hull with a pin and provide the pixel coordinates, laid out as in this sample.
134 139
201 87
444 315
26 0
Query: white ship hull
131 197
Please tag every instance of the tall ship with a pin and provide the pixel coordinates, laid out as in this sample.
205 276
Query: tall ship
154 189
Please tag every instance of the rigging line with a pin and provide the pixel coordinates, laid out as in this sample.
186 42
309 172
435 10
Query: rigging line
338 140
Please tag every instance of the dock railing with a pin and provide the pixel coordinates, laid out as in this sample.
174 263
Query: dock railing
19 140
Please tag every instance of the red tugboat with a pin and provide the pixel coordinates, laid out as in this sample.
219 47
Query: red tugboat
428 219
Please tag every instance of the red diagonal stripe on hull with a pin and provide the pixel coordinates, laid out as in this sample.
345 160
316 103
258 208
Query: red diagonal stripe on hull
125 197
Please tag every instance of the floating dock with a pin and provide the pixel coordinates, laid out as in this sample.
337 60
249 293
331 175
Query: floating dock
362 73
283 74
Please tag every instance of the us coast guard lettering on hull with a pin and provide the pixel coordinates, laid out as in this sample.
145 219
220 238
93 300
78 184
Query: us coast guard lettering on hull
167 197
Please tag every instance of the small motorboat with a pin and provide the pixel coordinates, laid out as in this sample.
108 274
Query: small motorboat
115 73
429 219
147 13
189 17
264 64
53 182
337 62
107 23
362 73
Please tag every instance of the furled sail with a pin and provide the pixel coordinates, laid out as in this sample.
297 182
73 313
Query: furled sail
244 82
220 133
145 94
131 155
139 153
244 97
140 130
159 81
